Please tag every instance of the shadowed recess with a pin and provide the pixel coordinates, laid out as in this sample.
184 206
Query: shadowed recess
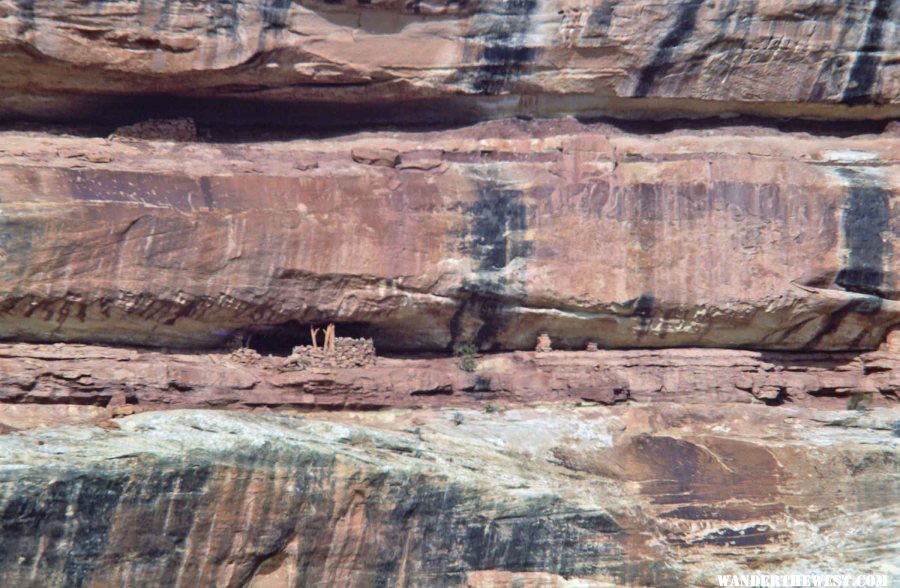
280 339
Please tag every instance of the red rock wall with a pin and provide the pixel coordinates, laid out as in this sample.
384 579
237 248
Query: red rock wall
461 59
655 496
290 202
738 237
151 380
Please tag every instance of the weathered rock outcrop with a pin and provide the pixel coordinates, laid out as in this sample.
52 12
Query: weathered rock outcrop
646 496
186 187
739 237
150 380
448 59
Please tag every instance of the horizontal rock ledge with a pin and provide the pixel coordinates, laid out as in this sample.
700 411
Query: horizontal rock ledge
148 380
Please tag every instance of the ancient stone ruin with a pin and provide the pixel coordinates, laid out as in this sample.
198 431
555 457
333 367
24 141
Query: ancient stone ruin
245 356
699 200
173 129
543 343
335 352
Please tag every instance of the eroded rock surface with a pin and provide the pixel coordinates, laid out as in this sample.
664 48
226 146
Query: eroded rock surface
96 376
446 59
187 187
732 237
648 495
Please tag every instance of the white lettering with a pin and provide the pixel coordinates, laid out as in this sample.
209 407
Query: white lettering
805 580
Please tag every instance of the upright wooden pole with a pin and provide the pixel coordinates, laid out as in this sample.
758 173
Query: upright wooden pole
329 338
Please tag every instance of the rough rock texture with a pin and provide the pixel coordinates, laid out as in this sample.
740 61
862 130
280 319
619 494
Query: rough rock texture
718 297
739 236
84 375
645 496
348 353
70 58
177 129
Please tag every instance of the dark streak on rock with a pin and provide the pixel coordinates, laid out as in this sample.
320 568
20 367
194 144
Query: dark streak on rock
225 17
73 543
455 527
832 67
683 27
274 17
496 218
865 68
505 56
487 307
453 541
643 309
788 332
25 15
495 215
747 537
600 19
164 16
16 241
866 216
867 305
275 12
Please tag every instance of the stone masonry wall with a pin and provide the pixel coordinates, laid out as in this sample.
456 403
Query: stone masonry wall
348 352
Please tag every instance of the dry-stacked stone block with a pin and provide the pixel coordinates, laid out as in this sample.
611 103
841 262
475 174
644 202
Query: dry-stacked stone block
348 353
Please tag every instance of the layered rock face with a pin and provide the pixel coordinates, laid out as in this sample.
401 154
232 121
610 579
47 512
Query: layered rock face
650 496
738 237
695 215
481 58
144 380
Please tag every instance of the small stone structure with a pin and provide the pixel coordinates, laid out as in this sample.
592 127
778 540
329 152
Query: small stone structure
591 346
543 343
183 130
347 353
245 356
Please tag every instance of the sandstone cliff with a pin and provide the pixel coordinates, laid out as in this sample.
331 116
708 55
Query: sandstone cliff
651 496
150 380
439 60
733 237
694 203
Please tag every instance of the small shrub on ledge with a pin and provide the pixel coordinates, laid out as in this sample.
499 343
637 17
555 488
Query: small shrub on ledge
465 353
